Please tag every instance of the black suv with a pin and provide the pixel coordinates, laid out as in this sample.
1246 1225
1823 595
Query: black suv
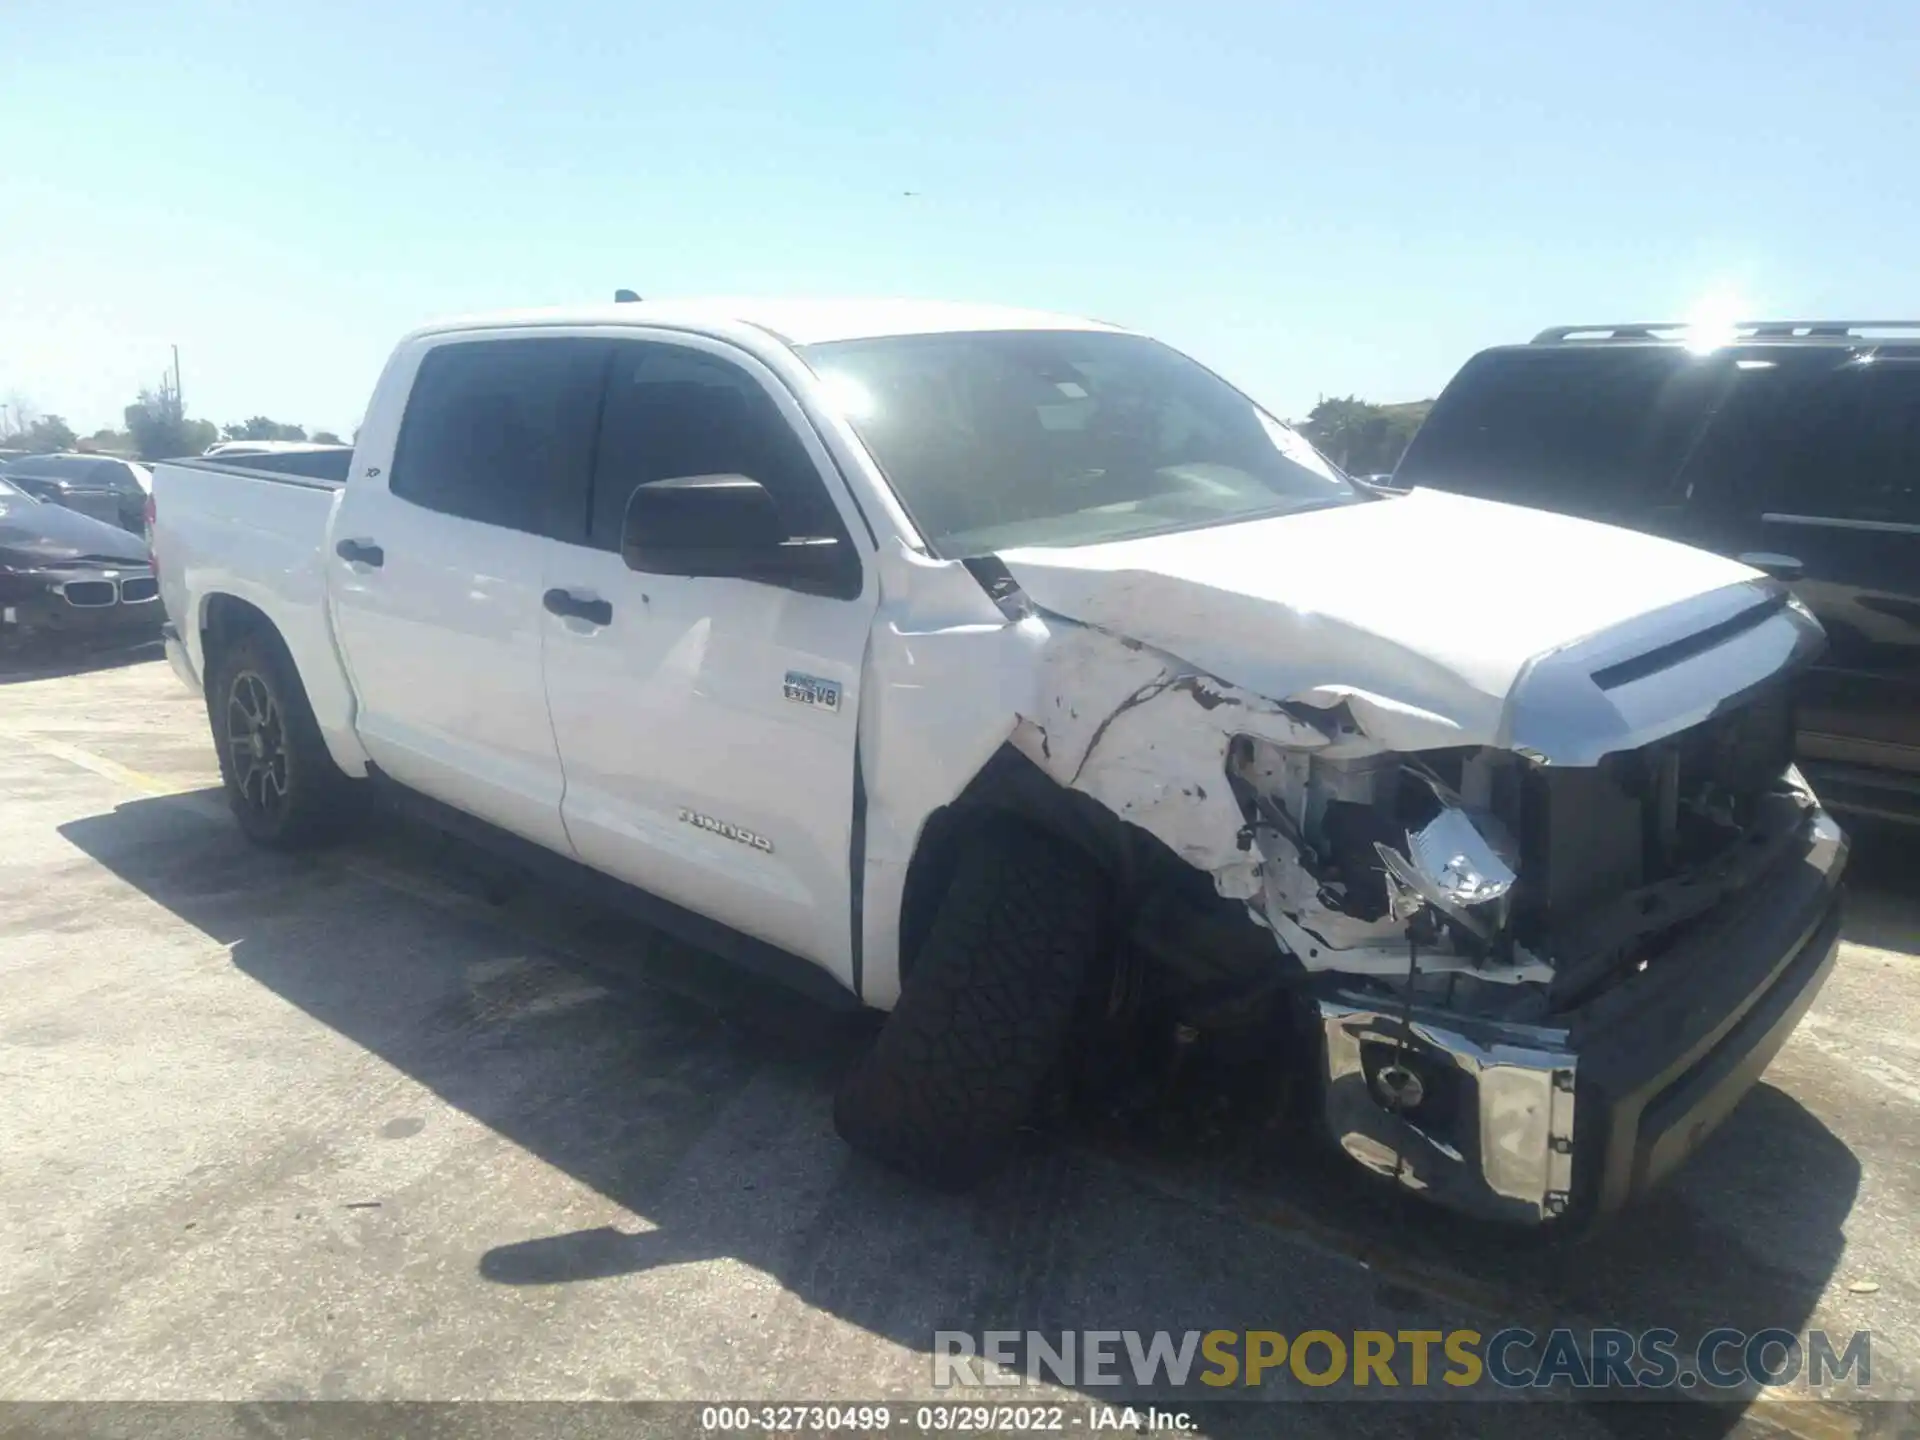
1794 446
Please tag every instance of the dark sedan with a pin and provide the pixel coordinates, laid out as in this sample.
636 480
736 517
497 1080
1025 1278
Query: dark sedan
102 486
64 574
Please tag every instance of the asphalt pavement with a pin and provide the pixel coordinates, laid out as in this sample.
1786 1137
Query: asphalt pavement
386 1123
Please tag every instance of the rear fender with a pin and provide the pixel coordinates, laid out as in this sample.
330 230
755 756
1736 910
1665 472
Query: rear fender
303 631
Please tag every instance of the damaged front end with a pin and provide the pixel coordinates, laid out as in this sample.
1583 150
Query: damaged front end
1535 981
1663 919
1394 888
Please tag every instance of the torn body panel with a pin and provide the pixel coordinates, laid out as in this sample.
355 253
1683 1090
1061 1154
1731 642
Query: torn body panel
1142 732
946 676
1455 911
1452 1006
1234 784
1148 736
1292 802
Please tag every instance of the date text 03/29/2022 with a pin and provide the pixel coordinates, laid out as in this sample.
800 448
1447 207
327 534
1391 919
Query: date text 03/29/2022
941 1418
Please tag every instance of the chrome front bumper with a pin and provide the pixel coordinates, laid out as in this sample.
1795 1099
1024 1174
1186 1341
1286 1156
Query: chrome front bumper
1531 1124
1492 1130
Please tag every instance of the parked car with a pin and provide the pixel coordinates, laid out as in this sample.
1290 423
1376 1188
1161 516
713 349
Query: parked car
1795 447
265 447
100 486
1018 676
65 575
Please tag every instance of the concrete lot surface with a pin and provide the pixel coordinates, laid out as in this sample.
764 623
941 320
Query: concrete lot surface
380 1124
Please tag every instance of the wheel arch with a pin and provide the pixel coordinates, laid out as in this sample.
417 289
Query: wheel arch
225 617
1164 918
1010 786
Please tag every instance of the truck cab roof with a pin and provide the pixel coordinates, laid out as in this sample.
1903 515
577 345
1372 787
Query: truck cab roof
795 322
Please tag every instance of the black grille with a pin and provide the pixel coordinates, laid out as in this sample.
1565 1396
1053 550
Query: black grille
1640 817
1745 750
139 588
89 594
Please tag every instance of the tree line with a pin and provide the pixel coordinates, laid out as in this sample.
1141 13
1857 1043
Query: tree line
1359 436
155 429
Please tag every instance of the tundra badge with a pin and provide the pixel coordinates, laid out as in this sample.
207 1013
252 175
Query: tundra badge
728 829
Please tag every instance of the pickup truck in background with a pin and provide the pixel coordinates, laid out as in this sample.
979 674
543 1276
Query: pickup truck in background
1018 676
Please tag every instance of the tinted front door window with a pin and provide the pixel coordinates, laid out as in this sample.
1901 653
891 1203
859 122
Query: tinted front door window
500 431
671 413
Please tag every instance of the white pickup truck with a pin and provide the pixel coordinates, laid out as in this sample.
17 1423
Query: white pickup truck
1017 675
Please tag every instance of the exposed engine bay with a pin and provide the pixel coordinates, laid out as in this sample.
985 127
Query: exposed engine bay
1507 883
1505 870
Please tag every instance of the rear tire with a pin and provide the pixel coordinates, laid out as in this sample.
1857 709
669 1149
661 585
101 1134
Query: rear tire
281 783
983 1023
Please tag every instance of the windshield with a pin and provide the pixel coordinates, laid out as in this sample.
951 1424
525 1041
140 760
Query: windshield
1593 432
995 440
41 467
12 492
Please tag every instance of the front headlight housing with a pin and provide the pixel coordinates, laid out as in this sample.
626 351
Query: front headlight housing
1453 866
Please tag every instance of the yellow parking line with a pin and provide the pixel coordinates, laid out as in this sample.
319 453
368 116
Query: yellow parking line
111 769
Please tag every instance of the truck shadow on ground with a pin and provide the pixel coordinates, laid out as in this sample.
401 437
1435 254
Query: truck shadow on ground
49 662
704 1107
1883 899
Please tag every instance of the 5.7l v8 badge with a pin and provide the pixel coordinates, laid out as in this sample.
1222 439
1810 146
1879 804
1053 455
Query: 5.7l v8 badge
812 690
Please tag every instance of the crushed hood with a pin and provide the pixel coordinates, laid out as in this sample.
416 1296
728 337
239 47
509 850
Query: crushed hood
1423 613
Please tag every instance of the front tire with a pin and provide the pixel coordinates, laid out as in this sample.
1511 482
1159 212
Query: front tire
984 1021
282 785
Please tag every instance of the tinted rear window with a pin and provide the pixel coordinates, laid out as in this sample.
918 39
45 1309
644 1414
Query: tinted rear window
53 467
1820 438
500 431
1590 432
79 469
114 473
309 464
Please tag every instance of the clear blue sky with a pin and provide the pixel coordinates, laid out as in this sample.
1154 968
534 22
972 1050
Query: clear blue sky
1315 199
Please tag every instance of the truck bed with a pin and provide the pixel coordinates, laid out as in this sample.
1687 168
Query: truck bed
253 529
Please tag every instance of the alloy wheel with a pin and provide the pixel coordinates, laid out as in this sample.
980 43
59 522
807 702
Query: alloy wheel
257 744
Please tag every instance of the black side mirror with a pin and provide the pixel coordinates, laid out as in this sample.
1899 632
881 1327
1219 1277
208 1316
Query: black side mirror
728 525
